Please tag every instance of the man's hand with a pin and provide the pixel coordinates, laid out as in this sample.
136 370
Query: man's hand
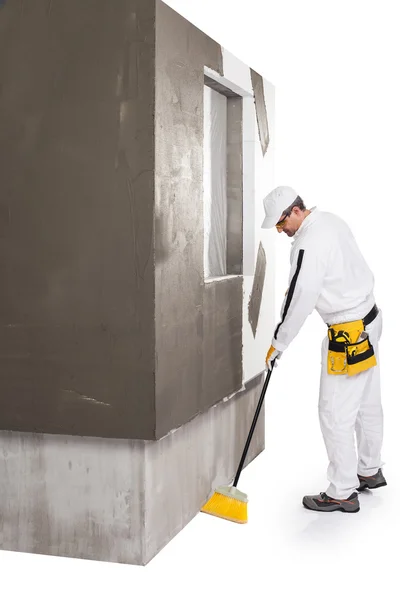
271 356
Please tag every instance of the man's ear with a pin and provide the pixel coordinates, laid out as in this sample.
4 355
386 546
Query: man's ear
297 211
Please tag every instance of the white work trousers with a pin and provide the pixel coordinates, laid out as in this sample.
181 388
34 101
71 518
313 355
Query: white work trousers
349 406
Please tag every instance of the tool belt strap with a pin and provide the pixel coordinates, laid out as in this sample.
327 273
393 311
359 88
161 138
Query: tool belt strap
373 313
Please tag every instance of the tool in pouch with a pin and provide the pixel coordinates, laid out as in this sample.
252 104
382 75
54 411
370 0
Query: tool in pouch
349 350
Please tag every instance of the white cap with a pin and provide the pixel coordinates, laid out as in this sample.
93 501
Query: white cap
275 203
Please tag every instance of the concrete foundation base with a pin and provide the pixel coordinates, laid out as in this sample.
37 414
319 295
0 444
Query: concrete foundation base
119 500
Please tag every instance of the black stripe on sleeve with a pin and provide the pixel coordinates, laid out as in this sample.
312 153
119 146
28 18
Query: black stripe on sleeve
291 290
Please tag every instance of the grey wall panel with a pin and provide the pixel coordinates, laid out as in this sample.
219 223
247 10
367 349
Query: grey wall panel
257 289
194 334
261 110
76 217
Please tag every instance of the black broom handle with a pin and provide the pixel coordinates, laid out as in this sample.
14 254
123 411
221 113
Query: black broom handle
253 425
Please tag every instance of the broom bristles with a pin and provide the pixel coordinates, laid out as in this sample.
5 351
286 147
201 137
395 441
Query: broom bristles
227 503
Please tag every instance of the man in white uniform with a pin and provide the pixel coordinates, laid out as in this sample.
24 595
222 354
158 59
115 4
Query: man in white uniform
329 273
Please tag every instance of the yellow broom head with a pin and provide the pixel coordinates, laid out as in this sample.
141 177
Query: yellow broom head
227 503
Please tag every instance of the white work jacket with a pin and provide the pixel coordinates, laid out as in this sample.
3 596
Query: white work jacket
328 273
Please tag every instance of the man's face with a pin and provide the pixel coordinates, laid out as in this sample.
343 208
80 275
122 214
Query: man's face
289 224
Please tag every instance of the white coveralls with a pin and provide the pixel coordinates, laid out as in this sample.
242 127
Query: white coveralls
329 273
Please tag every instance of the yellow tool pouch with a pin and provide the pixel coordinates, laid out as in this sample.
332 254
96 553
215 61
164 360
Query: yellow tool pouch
349 350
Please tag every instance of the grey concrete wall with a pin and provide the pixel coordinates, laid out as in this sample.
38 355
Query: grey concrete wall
119 500
72 496
198 325
76 217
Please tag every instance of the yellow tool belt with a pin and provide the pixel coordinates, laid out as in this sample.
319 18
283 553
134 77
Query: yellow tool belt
350 350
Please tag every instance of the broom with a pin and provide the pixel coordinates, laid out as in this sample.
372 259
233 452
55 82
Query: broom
228 502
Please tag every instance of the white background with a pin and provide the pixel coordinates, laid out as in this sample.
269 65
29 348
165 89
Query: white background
337 142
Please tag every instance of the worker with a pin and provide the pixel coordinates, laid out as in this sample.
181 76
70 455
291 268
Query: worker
328 273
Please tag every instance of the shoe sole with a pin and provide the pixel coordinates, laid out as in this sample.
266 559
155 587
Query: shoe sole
371 487
333 510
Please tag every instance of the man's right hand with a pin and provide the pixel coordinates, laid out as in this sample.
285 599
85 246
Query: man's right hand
273 354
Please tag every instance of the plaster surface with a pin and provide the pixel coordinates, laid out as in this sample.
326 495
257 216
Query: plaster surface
198 324
108 326
77 325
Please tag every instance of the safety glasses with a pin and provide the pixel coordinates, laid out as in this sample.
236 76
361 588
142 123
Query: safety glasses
281 223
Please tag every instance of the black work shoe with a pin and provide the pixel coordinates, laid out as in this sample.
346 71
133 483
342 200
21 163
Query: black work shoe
325 503
372 482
